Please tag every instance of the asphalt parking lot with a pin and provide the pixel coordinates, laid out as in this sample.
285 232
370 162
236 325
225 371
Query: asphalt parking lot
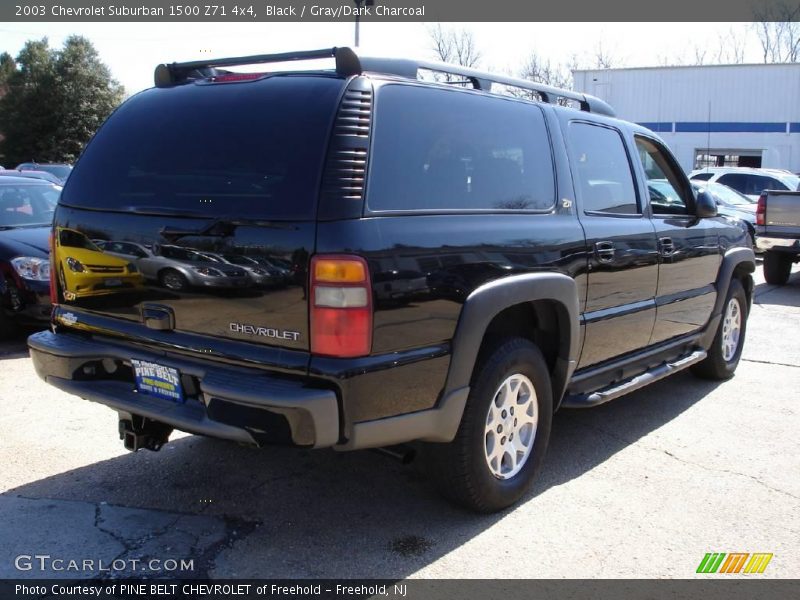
641 487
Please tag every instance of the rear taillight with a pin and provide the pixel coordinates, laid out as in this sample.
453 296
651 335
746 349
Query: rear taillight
53 287
761 210
340 301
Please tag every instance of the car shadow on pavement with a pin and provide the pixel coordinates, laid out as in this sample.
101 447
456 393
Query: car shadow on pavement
779 295
303 513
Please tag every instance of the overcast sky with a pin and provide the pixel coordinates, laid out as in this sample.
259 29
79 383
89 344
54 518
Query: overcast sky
132 50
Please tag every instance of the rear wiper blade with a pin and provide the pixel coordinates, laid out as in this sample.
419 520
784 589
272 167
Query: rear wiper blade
165 212
217 228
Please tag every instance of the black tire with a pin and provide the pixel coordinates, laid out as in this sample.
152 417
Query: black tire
8 327
715 366
173 280
460 468
777 267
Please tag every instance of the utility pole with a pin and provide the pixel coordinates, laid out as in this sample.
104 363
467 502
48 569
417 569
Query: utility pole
359 4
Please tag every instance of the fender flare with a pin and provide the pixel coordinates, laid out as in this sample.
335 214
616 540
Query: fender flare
440 424
731 260
490 299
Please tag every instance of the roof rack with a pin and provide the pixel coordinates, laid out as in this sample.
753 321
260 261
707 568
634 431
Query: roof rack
348 63
167 75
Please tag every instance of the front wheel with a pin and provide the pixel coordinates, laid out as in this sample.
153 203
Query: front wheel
504 431
173 280
726 349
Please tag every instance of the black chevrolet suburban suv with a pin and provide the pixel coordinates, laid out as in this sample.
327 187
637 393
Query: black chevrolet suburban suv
467 254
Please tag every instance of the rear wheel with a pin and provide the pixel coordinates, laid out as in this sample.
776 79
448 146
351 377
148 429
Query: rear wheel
504 431
173 280
726 350
777 267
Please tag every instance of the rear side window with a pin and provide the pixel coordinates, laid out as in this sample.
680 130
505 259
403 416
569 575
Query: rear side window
251 149
601 170
702 176
447 150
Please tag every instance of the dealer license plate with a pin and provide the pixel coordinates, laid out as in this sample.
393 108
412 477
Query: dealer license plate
157 380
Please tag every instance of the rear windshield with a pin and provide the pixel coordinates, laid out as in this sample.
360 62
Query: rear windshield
75 239
26 205
251 149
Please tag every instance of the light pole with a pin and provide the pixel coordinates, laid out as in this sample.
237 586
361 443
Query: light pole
359 4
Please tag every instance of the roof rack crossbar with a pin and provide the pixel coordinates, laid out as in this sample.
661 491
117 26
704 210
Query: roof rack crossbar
348 63
483 80
169 74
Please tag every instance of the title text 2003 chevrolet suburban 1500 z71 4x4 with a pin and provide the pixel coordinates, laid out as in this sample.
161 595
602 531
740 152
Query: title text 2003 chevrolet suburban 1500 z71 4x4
463 263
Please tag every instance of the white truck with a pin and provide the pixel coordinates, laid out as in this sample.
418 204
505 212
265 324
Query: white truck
778 233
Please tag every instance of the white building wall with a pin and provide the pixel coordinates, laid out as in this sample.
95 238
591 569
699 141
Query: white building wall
762 101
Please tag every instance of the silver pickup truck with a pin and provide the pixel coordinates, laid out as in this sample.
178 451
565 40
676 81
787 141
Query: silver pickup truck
778 233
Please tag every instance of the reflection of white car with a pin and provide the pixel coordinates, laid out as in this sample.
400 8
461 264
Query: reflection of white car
747 181
731 204
257 272
399 285
177 268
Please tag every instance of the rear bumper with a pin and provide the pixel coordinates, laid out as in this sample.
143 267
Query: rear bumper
790 244
244 405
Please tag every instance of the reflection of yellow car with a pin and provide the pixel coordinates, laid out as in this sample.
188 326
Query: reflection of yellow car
85 270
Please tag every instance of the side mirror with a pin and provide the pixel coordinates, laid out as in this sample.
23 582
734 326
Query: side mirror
704 205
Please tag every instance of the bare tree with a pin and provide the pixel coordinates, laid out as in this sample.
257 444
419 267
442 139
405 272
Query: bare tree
603 57
540 70
668 60
778 31
455 46
700 54
731 47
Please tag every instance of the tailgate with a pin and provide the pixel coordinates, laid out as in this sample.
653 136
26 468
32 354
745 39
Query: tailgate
193 208
783 213
243 281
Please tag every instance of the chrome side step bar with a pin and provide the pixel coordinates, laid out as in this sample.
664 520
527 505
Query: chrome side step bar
634 383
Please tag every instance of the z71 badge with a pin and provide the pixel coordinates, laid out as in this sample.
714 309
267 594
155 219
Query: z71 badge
265 331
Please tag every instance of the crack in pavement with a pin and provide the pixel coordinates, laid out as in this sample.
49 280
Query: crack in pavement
131 545
769 362
688 462
200 541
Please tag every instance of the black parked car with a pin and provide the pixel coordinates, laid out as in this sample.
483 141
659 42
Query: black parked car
551 279
26 210
44 175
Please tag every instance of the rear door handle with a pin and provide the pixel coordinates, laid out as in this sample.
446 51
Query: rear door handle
667 246
604 251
